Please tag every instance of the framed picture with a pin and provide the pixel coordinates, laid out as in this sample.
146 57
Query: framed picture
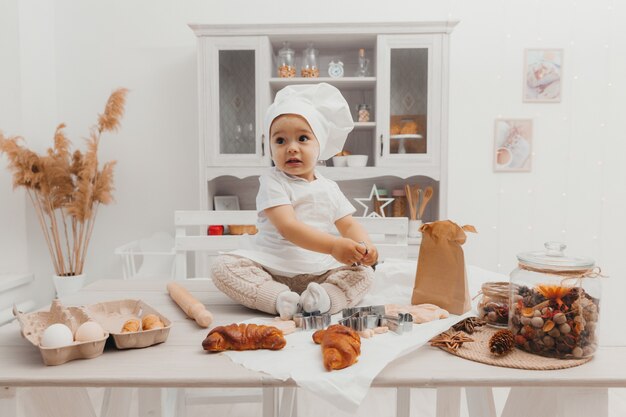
513 139
543 70
226 202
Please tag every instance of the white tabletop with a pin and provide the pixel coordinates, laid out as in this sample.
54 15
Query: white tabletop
181 361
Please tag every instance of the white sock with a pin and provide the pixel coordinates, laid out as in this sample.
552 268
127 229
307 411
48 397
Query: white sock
315 298
287 304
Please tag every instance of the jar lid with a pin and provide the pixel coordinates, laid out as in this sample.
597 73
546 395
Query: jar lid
382 191
553 258
398 193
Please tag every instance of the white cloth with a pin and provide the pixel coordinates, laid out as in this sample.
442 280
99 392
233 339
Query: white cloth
319 204
301 360
323 107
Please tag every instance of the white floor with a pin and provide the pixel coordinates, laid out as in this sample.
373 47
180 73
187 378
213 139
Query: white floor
379 403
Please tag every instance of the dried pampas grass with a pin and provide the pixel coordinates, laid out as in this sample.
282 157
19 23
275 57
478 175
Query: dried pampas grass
67 188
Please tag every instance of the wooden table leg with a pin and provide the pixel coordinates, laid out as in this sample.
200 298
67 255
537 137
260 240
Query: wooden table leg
8 403
524 401
288 403
583 402
57 402
449 402
480 402
403 402
270 401
149 402
116 402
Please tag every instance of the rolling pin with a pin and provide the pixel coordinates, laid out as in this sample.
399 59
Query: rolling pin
193 308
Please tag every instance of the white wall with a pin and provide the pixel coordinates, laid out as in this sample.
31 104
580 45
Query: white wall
13 253
574 192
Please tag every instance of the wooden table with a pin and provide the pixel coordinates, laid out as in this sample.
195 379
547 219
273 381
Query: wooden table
181 362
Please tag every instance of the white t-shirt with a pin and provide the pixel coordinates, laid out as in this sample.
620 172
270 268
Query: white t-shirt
319 204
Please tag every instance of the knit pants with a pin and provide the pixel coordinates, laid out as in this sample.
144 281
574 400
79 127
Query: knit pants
246 282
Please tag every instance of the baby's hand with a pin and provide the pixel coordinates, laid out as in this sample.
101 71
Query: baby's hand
347 251
371 257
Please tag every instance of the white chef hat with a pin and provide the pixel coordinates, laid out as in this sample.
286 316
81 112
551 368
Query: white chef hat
323 106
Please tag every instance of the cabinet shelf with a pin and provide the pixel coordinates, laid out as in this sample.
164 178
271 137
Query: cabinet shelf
364 125
334 173
345 83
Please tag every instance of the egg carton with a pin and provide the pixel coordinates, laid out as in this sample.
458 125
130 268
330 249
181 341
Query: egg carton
110 315
113 314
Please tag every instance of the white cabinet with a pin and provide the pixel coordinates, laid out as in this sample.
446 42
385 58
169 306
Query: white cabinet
405 87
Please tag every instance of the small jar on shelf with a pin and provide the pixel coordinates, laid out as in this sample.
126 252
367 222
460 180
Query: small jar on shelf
286 62
493 305
309 62
363 112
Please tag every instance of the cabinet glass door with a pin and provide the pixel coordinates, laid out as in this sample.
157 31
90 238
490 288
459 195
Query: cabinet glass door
407 94
237 97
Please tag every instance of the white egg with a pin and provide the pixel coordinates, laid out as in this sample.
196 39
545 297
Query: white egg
57 335
89 331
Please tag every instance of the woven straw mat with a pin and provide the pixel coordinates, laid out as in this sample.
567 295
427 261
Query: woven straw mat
478 351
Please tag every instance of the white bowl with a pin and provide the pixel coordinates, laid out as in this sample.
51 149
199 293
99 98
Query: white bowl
340 161
357 160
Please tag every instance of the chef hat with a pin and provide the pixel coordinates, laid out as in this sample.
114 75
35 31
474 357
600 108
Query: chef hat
323 106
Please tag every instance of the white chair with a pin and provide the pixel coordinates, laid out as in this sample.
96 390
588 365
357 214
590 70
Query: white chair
150 257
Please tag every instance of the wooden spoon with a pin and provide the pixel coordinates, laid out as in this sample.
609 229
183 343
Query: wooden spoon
428 193
412 204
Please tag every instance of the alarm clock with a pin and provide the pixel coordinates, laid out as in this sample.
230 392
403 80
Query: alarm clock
335 69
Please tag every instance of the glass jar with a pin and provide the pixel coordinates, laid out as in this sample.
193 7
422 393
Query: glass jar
398 207
363 64
286 61
493 305
555 303
363 111
309 62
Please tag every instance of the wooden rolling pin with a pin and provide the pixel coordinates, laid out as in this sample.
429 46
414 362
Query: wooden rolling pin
193 308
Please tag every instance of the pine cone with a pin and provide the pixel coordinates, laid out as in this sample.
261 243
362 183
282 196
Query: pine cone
501 342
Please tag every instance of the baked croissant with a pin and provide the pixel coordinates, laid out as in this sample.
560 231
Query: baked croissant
244 337
152 321
131 325
341 346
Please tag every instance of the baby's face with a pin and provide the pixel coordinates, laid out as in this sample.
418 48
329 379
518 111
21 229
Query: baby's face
295 148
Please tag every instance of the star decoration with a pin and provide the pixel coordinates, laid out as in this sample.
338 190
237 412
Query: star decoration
450 340
387 201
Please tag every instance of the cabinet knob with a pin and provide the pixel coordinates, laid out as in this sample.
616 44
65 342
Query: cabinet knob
381 145
263 145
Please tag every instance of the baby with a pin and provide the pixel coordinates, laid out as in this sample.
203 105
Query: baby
295 261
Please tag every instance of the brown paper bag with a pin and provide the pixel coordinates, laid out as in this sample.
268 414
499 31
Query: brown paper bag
440 278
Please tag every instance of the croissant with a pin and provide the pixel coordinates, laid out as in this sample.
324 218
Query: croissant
244 337
151 321
341 346
132 325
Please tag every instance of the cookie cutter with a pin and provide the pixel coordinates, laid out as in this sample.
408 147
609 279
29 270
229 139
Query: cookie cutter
403 322
376 310
361 318
370 317
312 321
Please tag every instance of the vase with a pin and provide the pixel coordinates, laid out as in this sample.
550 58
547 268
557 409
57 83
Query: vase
66 285
414 228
